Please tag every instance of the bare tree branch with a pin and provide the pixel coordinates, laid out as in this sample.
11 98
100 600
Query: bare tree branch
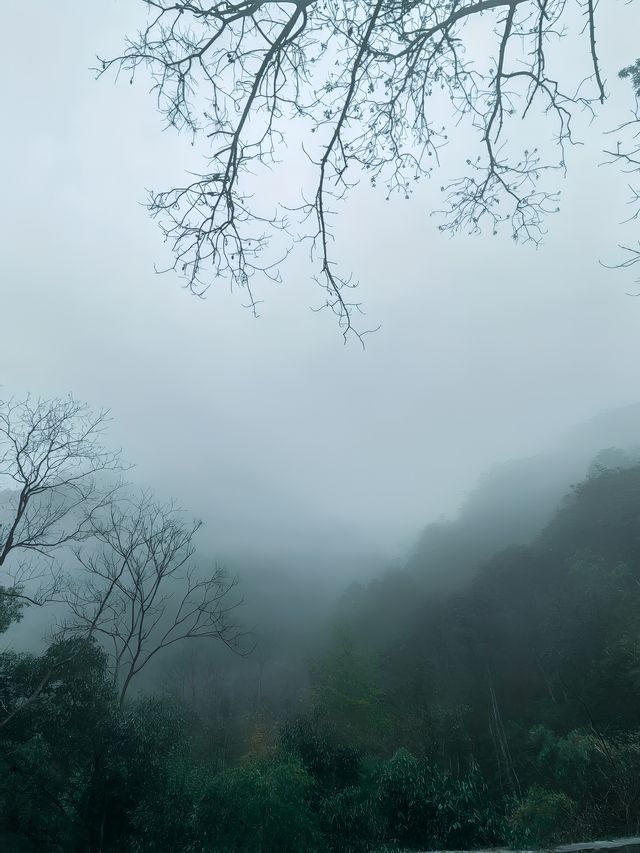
364 79
142 593
626 155
52 461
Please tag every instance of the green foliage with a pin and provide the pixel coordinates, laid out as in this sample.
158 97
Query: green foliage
149 778
570 761
343 793
11 606
351 820
527 680
261 806
610 459
165 816
347 691
542 817
421 805
331 764
62 710
79 772
633 73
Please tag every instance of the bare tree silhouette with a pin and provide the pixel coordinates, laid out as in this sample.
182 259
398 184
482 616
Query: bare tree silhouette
141 591
54 478
361 81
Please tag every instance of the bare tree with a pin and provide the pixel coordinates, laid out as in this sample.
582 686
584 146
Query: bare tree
142 592
54 472
628 155
365 82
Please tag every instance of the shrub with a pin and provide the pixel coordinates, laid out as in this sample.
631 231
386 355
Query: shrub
421 805
541 817
260 805
332 765
350 820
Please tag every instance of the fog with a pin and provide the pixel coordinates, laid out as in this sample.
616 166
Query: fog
433 641
270 429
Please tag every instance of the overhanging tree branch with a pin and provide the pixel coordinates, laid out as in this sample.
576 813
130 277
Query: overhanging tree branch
54 477
367 81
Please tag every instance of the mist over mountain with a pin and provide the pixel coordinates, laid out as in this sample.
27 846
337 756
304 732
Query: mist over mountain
516 498
489 677
319 426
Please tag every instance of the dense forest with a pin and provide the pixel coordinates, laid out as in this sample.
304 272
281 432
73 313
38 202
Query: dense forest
462 699
291 629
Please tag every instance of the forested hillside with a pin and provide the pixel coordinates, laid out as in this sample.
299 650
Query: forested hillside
318 575
504 711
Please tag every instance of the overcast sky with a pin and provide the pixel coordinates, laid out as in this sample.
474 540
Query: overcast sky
271 428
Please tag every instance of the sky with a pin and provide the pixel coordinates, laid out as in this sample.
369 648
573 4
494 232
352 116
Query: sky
270 429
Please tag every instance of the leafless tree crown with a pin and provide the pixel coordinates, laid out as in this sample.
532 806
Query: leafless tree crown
627 153
361 80
54 471
141 591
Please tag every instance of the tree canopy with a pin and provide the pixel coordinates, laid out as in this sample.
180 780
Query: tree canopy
365 89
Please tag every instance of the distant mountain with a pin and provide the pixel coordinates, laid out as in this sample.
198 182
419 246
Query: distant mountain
515 500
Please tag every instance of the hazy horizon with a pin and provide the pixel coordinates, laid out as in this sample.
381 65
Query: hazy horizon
270 429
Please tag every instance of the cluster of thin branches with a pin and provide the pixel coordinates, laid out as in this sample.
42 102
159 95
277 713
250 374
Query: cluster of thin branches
363 76
135 585
141 591
628 155
54 478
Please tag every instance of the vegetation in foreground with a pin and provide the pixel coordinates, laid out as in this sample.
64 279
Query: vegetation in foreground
504 711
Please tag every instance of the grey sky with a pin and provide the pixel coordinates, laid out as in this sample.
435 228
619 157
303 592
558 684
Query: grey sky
271 428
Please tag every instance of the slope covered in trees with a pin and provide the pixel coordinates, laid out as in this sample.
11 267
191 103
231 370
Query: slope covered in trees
501 711
375 91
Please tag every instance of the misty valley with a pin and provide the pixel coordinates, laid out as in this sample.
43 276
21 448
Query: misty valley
320 426
481 692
